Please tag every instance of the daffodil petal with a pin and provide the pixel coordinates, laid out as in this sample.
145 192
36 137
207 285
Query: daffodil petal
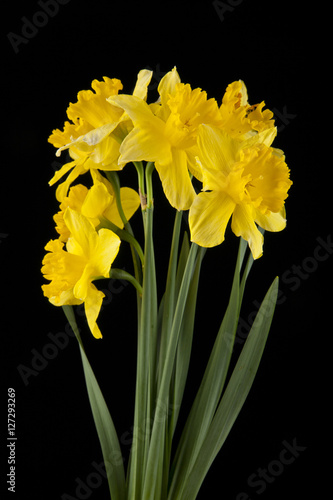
82 230
176 181
81 287
146 142
243 224
273 221
93 106
105 252
209 216
96 201
218 150
92 307
130 201
62 189
166 88
136 108
61 172
143 80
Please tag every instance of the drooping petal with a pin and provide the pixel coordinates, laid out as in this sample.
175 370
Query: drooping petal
273 221
176 181
62 189
105 252
62 171
243 225
92 307
208 218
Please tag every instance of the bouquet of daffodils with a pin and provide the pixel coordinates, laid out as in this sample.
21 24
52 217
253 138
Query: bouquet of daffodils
214 161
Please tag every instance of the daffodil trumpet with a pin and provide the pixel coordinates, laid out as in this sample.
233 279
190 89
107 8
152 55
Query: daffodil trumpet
188 140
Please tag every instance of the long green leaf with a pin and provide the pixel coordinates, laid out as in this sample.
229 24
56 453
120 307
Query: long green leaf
185 345
156 451
169 298
235 394
210 390
109 442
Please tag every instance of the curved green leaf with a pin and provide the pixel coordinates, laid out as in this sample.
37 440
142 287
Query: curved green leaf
112 455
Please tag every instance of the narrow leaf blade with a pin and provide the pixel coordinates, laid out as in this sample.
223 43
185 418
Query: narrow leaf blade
104 425
235 394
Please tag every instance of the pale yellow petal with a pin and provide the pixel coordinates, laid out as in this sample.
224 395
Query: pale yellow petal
146 142
105 155
143 80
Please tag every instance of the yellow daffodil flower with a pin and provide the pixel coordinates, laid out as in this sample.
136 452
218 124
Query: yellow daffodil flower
165 133
96 130
243 180
88 257
97 202
239 119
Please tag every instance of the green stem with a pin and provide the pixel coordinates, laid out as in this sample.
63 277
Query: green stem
149 184
144 397
120 274
152 485
170 295
141 182
114 179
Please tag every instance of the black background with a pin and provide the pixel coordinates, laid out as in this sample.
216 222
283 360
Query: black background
278 50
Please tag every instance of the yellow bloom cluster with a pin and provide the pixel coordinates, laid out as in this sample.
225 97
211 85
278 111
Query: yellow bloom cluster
93 140
228 148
